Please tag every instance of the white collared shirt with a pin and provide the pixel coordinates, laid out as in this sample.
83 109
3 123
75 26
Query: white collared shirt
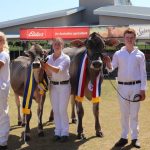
63 62
131 66
4 70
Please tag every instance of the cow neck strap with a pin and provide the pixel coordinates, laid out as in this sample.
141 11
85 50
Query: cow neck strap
28 91
96 90
43 85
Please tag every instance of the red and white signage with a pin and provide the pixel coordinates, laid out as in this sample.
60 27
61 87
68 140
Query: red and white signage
50 33
35 34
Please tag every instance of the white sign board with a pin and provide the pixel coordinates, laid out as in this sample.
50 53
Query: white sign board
142 31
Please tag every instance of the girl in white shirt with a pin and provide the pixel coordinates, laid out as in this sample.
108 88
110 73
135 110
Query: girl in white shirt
4 91
57 67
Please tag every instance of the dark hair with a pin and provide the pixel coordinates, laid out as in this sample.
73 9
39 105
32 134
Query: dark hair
129 31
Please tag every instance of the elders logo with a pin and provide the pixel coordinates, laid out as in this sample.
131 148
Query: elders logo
35 34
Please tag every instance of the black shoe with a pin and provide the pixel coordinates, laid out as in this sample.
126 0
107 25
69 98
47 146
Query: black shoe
3 147
64 139
56 138
136 143
122 142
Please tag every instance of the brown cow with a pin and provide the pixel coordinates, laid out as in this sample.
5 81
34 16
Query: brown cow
19 70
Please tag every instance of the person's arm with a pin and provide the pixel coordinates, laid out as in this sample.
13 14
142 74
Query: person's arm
65 64
1 64
107 61
47 66
143 95
143 77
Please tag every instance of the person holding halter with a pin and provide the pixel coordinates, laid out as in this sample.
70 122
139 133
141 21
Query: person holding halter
132 79
57 68
4 91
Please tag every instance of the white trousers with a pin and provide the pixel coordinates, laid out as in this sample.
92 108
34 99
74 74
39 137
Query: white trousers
129 110
59 95
4 118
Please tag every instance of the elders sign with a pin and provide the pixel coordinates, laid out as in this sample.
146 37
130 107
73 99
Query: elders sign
50 33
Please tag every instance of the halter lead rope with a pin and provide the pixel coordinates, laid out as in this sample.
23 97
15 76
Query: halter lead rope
136 98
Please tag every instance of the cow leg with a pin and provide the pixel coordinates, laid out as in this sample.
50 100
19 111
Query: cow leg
99 133
73 115
80 113
21 122
40 114
51 117
27 127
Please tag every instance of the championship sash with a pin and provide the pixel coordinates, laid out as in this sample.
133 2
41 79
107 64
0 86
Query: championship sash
43 86
95 89
28 91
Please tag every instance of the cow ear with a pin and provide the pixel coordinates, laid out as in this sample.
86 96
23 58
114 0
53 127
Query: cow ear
31 55
26 53
77 43
38 47
85 42
118 47
111 42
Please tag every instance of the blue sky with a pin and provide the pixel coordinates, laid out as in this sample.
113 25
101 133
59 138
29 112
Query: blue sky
13 9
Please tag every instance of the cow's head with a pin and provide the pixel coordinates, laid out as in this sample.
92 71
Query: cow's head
95 46
36 53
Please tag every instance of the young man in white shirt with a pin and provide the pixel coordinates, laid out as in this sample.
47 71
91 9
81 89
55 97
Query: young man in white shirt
132 78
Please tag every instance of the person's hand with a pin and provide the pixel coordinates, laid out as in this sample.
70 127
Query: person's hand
42 64
107 61
142 93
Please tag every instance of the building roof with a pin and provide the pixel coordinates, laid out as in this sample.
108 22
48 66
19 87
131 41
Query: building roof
124 11
41 17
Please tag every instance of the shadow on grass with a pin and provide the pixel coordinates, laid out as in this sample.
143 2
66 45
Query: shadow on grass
44 143
15 127
127 147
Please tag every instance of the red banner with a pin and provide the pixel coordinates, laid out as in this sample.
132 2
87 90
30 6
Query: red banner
50 33
36 34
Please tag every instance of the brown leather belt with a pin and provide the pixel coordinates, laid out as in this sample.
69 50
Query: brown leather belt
61 82
129 83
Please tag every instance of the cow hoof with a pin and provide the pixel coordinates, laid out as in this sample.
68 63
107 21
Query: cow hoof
100 134
51 119
81 136
19 123
27 138
23 124
41 134
74 120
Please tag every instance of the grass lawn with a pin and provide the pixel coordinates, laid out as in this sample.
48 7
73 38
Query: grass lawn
110 122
